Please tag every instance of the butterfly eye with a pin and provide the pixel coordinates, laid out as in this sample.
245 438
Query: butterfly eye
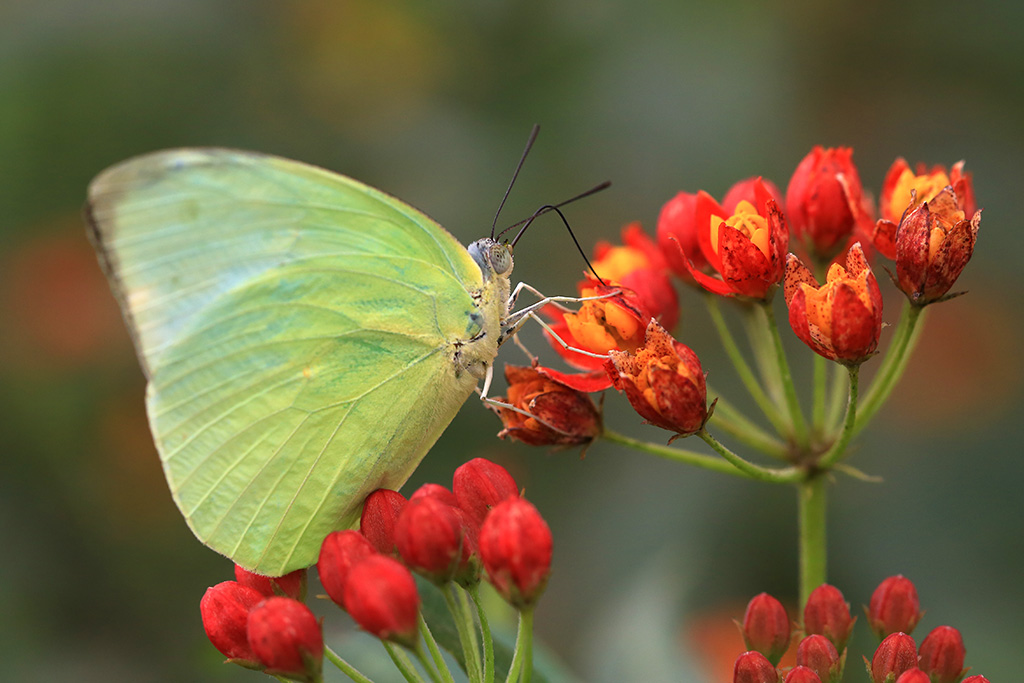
501 259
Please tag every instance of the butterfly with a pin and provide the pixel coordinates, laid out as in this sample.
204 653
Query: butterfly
306 338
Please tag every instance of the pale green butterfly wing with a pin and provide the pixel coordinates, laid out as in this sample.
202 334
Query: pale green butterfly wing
298 330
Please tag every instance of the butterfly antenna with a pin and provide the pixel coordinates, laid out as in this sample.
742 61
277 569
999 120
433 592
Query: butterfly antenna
552 207
519 166
549 207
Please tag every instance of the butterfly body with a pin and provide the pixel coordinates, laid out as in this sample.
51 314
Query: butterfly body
306 338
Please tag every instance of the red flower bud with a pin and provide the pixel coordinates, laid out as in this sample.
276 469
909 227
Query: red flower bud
380 595
225 611
766 627
515 546
976 678
746 190
431 540
842 319
435 491
827 613
291 585
801 674
377 523
754 667
896 654
677 235
913 676
663 381
894 607
942 655
817 653
481 484
286 638
746 247
824 200
548 413
339 552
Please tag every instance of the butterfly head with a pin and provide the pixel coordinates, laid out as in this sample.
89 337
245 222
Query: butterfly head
493 257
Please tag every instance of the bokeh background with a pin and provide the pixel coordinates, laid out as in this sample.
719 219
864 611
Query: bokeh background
99 577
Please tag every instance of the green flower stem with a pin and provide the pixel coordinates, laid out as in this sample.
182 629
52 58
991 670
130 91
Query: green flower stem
838 448
904 339
743 369
795 413
467 635
676 454
521 668
467 619
764 353
775 476
820 389
431 671
813 555
836 393
730 420
435 652
485 634
345 667
402 661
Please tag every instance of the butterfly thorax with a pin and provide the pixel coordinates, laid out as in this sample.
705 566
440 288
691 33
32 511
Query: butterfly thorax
474 355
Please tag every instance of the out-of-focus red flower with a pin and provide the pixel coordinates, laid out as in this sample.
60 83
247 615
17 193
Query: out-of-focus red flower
479 485
825 200
381 596
976 678
516 546
432 540
894 607
435 491
663 381
746 248
914 675
816 652
754 667
641 267
766 627
677 235
225 611
377 522
942 655
291 585
338 553
552 413
842 319
904 189
828 614
933 244
746 191
896 654
285 637
801 674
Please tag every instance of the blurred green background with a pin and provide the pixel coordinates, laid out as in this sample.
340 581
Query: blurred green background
100 579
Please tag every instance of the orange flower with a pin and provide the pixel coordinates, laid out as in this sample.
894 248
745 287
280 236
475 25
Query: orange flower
553 414
933 244
840 320
825 200
663 381
903 189
746 248
639 266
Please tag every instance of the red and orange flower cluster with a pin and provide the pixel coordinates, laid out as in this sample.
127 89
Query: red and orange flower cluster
893 613
482 525
621 335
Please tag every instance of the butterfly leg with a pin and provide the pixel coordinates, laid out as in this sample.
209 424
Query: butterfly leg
511 324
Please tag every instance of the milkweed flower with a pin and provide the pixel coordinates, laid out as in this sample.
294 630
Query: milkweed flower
903 189
825 200
338 553
380 595
894 607
663 381
746 248
292 585
516 547
754 667
828 614
546 412
896 654
942 655
841 319
677 235
432 540
479 485
766 627
639 266
817 653
377 521
286 638
225 611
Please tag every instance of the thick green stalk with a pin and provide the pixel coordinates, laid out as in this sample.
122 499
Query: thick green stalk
467 634
345 667
792 402
521 668
813 554
904 339
435 652
743 369
402 662
485 634
838 448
